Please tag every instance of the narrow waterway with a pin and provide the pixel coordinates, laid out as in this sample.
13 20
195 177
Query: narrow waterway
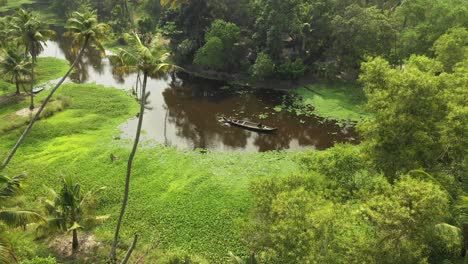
185 112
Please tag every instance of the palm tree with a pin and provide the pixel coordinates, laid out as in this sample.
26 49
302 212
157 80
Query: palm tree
11 214
147 59
32 34
4 31
15 66
70 210
85 29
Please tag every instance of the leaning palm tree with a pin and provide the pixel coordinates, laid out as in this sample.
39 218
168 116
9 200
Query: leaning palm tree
11 214
71 210
85 30
147 59
32 34
15 66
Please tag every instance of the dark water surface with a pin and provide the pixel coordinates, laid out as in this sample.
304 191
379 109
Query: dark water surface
185 113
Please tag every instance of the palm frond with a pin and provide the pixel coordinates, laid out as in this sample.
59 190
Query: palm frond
18 217
12 186
6 252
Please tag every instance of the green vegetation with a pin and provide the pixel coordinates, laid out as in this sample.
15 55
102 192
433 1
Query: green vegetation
263 67
332 100
192 200
47 69
211 55
401 196
12 4
12 214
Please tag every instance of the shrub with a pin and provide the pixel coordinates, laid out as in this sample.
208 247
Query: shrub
66 101
227 32
263 67
184 50
326 70
292 70
211 55
38 260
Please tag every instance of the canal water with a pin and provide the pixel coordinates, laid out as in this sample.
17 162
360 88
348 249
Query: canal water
185 112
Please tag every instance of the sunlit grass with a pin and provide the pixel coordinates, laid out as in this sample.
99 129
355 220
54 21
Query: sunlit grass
180 200
335 100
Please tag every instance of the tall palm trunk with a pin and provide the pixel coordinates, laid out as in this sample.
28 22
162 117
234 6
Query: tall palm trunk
75 243
17 85
112 254
41 108
31 105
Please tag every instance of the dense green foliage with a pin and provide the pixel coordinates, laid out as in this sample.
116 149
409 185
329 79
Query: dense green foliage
398 197
263 67
211 55
336 32
413 103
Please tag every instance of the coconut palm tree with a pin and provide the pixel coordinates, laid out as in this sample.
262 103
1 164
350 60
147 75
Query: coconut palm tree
70 210
85 30
147 59
15 66
32 34
4 31
11 214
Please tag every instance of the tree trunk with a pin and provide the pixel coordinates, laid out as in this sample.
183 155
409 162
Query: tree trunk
41 108
17 86
31 105
129 15
130 250
75 243
112 254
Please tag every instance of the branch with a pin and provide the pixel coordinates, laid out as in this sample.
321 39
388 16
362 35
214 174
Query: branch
130 250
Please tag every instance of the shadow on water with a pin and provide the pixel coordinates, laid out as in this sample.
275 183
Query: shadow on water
185 113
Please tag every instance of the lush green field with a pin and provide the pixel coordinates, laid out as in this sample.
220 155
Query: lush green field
184 201
334 100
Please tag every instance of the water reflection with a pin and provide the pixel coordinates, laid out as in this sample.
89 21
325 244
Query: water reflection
185 112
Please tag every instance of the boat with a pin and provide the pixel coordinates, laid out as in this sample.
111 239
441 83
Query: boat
259 127
37 90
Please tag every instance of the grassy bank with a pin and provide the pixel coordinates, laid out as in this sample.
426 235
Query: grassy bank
180 201
47 69
333 100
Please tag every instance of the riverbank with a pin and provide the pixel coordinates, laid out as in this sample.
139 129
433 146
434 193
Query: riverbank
338 100
193 201
47 69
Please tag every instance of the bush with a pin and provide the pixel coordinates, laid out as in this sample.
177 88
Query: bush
292 70
211 55
38 260
326 70
66 101
263 67
185 50
227 32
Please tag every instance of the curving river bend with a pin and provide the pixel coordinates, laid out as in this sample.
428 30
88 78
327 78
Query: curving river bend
185 113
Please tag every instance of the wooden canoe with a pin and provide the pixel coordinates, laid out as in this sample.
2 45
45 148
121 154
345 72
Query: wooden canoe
249 125
37 90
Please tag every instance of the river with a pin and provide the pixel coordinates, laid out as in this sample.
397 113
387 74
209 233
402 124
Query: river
185 113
